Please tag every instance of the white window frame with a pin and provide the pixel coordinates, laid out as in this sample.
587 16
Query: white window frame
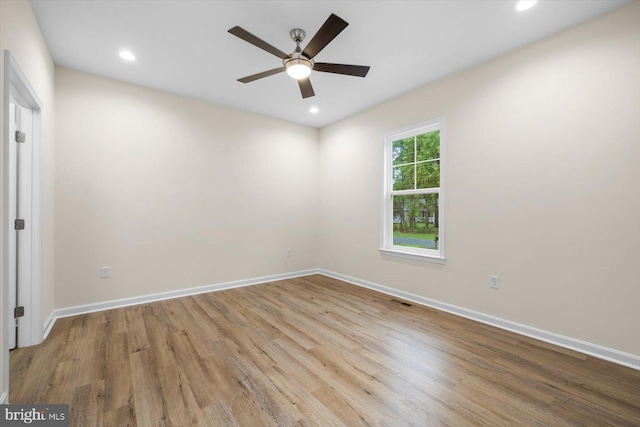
386 206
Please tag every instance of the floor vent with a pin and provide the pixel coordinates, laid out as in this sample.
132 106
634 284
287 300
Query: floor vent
402 302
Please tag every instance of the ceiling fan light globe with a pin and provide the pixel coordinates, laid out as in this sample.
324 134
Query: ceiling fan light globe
298 68
523 5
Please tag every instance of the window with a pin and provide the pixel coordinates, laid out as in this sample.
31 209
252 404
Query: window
412 217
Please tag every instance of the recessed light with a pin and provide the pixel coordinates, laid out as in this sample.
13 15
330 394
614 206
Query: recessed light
126 55
314 110
525 4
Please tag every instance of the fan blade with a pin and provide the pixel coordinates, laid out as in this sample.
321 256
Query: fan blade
261 75
250 38
306 88
349 70
329 30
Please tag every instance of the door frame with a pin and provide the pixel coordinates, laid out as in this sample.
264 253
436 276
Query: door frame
17 86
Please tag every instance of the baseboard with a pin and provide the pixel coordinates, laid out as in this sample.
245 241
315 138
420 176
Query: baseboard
4 398
48 325
595 350
143 299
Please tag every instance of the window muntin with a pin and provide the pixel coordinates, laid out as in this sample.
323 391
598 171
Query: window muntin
412 200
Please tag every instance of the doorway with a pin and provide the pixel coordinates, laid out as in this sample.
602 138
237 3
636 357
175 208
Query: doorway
20 190
22 223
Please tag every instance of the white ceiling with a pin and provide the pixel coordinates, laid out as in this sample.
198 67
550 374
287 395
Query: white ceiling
183 46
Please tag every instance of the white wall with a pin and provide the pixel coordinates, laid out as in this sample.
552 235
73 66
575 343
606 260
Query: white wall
20 34
543 173
172 193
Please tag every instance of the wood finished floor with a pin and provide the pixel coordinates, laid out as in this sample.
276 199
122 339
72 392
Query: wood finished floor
312 351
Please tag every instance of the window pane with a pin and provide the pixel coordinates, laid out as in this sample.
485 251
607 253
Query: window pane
428 174
403 151
403 177
415 221
428 146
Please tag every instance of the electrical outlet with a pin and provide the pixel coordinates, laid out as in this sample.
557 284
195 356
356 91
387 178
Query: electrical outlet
104 272
494 282
288 252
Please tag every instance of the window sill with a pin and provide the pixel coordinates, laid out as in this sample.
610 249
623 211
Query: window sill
412 255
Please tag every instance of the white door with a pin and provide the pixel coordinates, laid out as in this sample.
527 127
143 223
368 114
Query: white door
20 190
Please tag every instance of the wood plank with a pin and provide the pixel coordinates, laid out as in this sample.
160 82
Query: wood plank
117 382
136 331
86 408
159 339
149 404
122 417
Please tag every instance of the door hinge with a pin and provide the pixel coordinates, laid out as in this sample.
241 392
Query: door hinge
18 312
19 224
21 136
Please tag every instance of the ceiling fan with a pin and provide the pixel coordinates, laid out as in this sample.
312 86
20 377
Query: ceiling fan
300 62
